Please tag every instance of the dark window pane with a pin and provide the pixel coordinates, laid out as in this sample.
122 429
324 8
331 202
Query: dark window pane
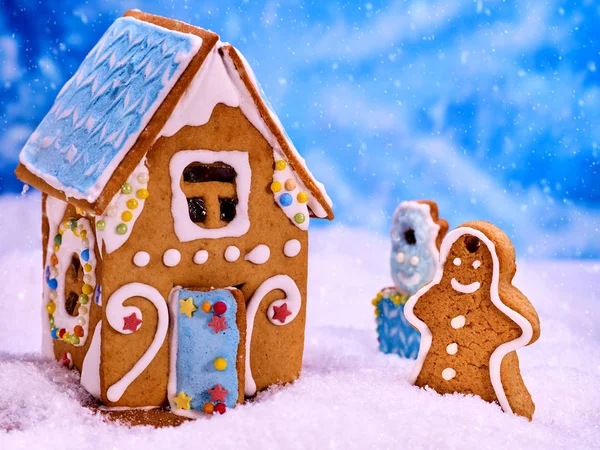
71 303
197 209
409 237
228 208
198 173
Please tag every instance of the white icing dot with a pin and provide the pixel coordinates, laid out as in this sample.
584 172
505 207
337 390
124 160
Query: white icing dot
259 254
143 177
414 260
476 264
232 253
400 257
457 261
451 349
200 257
141 259
448 373
171 257
458 322
292 248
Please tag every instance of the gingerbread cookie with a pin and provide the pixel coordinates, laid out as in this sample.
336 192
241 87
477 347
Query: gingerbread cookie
472 320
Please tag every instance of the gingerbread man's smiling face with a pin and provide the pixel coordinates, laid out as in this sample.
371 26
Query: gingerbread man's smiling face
469 265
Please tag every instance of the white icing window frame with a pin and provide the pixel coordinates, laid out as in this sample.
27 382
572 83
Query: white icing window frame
185 229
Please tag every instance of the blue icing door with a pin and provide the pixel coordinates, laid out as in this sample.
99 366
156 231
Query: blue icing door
204 352
395 334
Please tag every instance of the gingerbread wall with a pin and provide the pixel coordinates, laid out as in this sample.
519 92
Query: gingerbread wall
276 350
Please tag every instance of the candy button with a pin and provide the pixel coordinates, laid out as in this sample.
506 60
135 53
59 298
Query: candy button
132 203
51 307
83 234
87 289
54 259
84 299
111 211
143 177
290 184
285 200
85 255
302 197
127 188
78 330
122 228
87 267
206 307
280 165
58 239
101 225
275 186
299 218
126 216
220 408
142 194
220 364
208 408
220 308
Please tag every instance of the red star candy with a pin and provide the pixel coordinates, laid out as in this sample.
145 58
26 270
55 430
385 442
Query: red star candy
281 313
217 323
131 323
218 394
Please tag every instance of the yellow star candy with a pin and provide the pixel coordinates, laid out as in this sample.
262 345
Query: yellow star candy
187 307
182 401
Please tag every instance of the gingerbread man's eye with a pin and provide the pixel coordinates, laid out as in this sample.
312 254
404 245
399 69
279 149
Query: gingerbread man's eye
472 243
409 236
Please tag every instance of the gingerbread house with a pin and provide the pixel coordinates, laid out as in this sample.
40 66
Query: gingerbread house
175 218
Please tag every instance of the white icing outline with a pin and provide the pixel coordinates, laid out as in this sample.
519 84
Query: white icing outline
292 248
294 301
465 288
259 254
115 311
185 229
500 352
90 370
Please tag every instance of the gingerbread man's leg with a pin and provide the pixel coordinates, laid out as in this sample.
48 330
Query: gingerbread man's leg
517 394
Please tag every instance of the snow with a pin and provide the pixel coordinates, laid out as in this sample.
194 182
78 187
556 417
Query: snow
349 395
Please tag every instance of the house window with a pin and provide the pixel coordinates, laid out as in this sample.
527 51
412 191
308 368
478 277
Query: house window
210 191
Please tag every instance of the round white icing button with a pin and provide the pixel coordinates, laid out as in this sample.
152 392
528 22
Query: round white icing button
292 248
171 257
476 264
414 260
232 253
400 257
458 322
451 349
200 257
457 261
141 259
448 373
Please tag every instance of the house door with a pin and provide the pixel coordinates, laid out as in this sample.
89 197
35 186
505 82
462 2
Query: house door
207 347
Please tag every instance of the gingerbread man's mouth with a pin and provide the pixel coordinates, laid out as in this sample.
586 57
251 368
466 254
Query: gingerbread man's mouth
465 288
409 281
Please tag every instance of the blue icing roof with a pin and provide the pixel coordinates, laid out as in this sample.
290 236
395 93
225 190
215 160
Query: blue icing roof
100 112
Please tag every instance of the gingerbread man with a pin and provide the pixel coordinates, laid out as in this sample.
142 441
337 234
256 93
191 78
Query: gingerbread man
472 320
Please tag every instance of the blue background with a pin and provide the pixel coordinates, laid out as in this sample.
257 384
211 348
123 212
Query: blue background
487 107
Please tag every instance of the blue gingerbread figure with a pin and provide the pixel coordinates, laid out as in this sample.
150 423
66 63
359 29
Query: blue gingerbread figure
416 234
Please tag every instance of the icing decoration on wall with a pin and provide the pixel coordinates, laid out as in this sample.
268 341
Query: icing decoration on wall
141 259
185 229
98 295
116 313
100 112
114 227
291 248
414 258
73 236
187 307
55 211
293 302
66 360
232 253
171 257
459 321
394 333
200 257
291 196
90 370
259 254
202 358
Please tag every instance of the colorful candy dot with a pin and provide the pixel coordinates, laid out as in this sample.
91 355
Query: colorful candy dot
126 216
82 311
87 289
52 284
87 278
85 243
208 408
220 308
73 224
111 211
101 225
78 330
290 184
286 200
280 165
121 228
220 408
53 295
220 364
143 178
83 234
54 333
74 339
58 239
51 307
81 321
87 267
275 186
85 255
142 194
66 336
299 218
84 299
54 259
206 307
53 272
127 188
61 333
302 197
132 203
56 247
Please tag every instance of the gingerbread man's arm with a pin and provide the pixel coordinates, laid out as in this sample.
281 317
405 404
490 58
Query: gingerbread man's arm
518 302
